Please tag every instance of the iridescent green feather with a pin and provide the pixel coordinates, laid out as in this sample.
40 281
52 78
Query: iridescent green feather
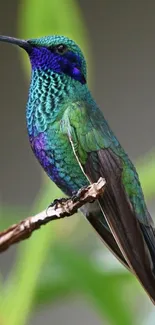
90 132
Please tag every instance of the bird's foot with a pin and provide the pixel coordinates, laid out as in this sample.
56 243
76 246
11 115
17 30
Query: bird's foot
76 195
56 202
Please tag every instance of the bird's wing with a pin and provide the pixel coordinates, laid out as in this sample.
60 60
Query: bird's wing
92 142
94 216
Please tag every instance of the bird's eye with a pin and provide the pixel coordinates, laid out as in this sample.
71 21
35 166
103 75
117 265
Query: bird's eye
61 49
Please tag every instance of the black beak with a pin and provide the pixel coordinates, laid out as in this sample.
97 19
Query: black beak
21 43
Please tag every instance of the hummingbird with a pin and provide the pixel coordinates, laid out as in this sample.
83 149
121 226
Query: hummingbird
75 146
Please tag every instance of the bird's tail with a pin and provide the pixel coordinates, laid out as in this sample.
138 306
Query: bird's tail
134 243
97 220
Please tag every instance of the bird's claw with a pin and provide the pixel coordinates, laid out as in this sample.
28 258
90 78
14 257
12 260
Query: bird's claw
56 202
76 195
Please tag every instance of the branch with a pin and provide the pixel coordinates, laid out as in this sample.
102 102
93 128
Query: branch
59 209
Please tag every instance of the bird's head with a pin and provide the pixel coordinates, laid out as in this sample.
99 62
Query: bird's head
58 54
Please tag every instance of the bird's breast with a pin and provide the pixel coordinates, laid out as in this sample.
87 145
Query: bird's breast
53 150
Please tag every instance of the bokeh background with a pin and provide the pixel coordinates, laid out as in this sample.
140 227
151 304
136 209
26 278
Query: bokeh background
64 274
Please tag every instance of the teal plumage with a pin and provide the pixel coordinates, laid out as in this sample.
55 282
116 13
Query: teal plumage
75 145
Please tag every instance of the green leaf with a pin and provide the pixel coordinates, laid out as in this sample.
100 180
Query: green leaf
146 170
49 291
104 290
56 281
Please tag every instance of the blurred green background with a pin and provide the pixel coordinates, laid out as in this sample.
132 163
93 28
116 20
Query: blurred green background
64 274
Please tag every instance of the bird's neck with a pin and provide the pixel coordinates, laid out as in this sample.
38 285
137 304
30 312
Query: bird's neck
48 96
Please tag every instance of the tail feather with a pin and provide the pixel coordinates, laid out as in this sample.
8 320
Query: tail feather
149 235
96 220
127 233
